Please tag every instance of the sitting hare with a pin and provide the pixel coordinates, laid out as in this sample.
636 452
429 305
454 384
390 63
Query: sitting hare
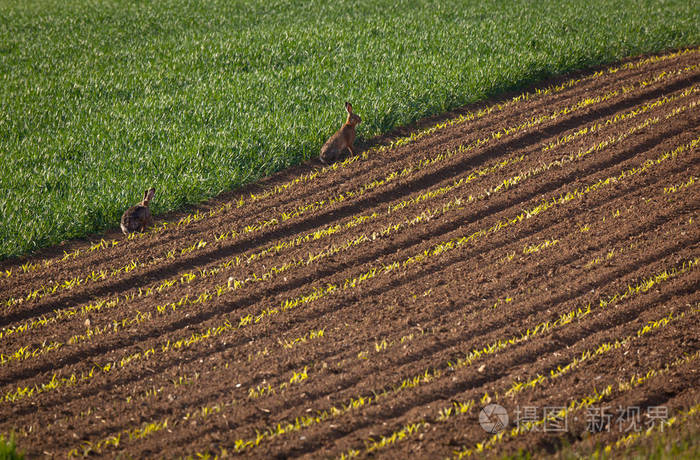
342 139
138 217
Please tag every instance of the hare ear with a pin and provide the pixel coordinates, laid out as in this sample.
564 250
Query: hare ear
148 194
348 107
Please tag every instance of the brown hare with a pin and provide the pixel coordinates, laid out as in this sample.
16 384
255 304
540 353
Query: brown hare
341 140
138 217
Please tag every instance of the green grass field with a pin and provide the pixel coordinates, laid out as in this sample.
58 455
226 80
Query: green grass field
103 98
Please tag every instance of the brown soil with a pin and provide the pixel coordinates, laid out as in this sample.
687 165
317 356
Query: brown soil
351 337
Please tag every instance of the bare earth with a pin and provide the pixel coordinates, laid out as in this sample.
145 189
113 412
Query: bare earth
540 252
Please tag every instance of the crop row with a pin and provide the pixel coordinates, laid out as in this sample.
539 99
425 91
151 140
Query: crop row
186 379
115 326
184 279
610 254
577 313
597 126
461 408
530 249
317 292
436 371
464 407
445 413
607 254
577 405
683 185
423 377
430 375
201 413
383 345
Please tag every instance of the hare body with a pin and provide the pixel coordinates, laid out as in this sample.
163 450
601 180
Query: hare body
138 217
342 139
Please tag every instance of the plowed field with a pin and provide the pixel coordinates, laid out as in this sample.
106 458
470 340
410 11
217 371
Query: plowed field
540 252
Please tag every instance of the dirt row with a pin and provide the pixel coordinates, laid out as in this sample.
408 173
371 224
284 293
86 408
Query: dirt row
485 254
